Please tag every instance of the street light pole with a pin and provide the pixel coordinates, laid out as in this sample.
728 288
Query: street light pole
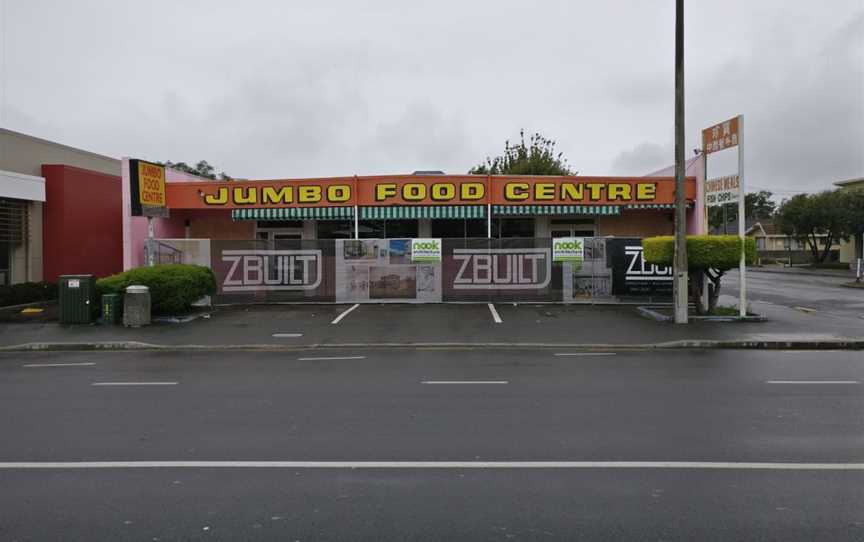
679 284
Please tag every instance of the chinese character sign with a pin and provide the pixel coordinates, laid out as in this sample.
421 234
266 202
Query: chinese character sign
720 136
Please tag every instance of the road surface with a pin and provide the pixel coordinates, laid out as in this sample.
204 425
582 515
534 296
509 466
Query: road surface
727 445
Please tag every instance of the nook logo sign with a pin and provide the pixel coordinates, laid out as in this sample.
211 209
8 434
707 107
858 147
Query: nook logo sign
568 249
426 250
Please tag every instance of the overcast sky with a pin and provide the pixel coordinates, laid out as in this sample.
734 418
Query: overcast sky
270 89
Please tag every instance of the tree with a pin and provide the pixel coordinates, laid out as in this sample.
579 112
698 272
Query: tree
836 214
537 157
708 258
201 169
757 206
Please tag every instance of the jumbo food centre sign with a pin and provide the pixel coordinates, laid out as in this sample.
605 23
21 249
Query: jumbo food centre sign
425 190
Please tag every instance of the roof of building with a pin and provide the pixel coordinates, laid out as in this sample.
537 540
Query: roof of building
848 182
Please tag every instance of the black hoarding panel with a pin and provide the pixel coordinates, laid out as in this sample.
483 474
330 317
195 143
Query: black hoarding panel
500 270
270 272
631 276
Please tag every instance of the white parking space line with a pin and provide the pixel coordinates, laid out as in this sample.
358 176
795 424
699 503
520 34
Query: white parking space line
494 312
812 381
287 335
705 465
134 383
465 382
83 364
345 313
331 358
585 354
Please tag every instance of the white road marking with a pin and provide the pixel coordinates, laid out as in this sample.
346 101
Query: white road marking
134 383
331 358
344 314
586 354
287 335
805 309
59 364
465 382
812 381
494 312
709 465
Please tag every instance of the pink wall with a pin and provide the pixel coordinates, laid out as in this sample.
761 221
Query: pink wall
696 223
135 227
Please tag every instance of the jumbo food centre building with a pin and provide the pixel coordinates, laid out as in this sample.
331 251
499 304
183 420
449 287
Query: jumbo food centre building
349 239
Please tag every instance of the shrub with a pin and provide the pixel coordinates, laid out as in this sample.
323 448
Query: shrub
27 292
173 287
720 252
708 256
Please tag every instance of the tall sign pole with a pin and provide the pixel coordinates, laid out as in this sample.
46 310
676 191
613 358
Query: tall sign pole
730 188
679 282
742 303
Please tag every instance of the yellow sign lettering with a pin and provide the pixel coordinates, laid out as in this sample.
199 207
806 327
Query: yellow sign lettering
646 191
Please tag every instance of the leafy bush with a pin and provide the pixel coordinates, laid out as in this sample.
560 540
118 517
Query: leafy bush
27 292
173 287
708 257
722 252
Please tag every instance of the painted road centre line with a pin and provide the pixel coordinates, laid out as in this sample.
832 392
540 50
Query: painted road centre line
344 314
287 335
707 465
83 364
494 312
134 383
585 354
464 382
812 381
334 358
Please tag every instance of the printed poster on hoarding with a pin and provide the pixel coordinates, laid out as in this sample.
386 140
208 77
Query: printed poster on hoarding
569 249
426 250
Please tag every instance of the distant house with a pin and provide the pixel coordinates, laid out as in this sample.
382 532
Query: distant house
773 244
852 249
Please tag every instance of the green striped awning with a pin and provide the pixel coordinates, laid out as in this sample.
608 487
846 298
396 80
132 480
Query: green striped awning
533 210
422 211
294 213
666 206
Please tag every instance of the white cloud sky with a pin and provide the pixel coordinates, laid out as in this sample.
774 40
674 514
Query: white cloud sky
289 89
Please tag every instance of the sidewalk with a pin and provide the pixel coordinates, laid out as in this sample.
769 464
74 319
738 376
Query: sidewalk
308 326
834 273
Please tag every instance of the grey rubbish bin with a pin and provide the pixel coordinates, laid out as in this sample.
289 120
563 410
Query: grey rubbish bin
136 306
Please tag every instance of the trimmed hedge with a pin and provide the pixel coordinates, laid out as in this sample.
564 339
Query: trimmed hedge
721 252
27 292
173 287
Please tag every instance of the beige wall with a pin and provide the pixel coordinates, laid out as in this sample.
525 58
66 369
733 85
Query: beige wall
26 154
21 153
636 224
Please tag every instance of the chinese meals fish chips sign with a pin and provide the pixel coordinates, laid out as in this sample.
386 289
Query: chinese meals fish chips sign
720 136
147 188
425 250
722 190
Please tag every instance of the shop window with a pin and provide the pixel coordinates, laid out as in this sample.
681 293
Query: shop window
335 229
513 227
448 228
459 228
371 229
395 229
280 224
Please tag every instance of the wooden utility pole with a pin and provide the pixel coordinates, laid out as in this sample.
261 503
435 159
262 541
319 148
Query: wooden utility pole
679 284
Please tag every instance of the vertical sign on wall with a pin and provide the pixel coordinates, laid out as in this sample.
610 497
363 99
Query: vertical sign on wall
147 194
715 138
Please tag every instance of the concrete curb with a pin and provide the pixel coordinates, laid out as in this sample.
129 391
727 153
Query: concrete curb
804 344
839 274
